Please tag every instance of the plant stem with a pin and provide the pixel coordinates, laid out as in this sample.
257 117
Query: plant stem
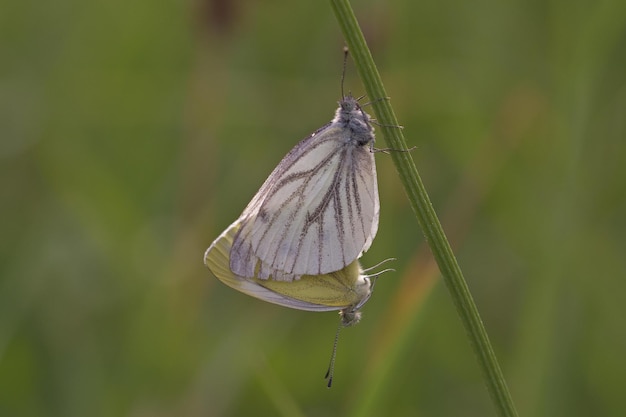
422 207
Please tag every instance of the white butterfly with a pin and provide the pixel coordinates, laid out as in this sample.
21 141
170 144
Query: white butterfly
347 289
318 210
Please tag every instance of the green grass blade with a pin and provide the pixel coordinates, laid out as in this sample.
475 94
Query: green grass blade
422 207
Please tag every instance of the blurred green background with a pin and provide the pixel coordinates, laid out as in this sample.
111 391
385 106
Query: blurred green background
133 133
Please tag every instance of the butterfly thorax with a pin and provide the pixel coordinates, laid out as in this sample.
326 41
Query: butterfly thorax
351 116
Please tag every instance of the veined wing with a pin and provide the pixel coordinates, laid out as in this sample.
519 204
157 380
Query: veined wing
347 288
315 214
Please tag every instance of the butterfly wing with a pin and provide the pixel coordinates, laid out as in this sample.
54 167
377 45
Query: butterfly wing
335 291
315 214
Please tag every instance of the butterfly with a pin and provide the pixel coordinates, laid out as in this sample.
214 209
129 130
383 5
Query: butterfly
318 210
346 290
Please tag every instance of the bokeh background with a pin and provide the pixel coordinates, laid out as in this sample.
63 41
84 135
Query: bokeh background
133 133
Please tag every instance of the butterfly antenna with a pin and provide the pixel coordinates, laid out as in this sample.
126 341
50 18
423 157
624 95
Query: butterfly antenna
343 71
331 365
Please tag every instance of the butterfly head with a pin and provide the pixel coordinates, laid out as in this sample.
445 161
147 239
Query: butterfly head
349 317
350 115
